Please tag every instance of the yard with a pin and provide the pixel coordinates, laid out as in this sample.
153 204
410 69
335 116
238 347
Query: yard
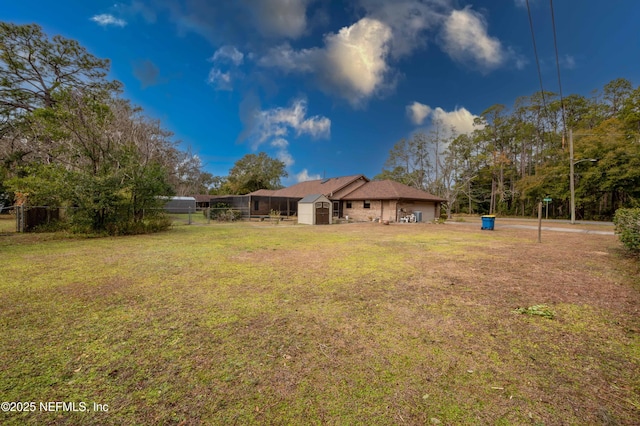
255 323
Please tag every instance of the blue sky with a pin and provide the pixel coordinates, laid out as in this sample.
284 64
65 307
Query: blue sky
329 86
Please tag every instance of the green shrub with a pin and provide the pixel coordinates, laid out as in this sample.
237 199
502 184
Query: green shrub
274 215
147 226
627 223
53 226
225 214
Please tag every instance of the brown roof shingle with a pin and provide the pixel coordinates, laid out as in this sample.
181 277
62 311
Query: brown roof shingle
320 186
265 192
202 198
389 190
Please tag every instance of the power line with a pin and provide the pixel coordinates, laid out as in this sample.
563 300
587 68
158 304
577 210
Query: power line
535 52
555 45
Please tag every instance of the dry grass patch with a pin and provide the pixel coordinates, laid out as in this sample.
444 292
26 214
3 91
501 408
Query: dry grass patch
348 324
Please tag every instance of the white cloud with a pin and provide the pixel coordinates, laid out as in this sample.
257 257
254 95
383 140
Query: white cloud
106 19
220 80
226 60
280 143
408 20
277 122
228 54
356 58
304 176
466 40
460 119
283 153
417 112
274 126
355 63
352 63
284 156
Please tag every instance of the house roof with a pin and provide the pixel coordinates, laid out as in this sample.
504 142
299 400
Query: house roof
389 190
312 198
319 186
202 198
265 192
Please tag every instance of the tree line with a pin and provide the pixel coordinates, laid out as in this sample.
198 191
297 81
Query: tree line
515 157
69 139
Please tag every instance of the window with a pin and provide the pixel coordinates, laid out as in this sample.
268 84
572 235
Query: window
366 204
256 205
348 204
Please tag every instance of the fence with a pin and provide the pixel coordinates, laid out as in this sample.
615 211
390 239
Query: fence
31 218
34 218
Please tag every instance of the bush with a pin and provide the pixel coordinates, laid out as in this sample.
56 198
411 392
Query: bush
627 223
147 226
53 226
225 214
274 215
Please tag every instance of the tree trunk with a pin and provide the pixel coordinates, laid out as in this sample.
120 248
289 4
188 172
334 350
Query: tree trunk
492 203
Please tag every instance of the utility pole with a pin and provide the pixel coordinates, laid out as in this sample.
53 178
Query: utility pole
571 179
572 184
540 221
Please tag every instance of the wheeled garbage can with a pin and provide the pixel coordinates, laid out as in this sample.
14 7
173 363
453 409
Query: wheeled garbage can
488 221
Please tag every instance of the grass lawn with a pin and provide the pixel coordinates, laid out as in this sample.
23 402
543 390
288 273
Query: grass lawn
348 324
7 223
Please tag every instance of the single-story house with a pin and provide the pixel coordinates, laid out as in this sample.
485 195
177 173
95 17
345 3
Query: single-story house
392 201
358 198
314 209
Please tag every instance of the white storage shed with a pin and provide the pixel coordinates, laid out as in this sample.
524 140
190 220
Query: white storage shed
315 209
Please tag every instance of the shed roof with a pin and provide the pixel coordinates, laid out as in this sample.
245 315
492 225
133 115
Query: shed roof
312 198
389 190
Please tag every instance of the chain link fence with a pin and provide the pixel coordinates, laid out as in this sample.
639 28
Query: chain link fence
47 218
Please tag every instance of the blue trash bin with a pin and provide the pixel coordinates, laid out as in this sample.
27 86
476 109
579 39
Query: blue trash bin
488 221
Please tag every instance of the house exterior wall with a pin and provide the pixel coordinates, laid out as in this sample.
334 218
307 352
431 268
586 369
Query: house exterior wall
390 210
261 203
358 213
429 209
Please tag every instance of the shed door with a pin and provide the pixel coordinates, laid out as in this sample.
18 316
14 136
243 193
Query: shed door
322 213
